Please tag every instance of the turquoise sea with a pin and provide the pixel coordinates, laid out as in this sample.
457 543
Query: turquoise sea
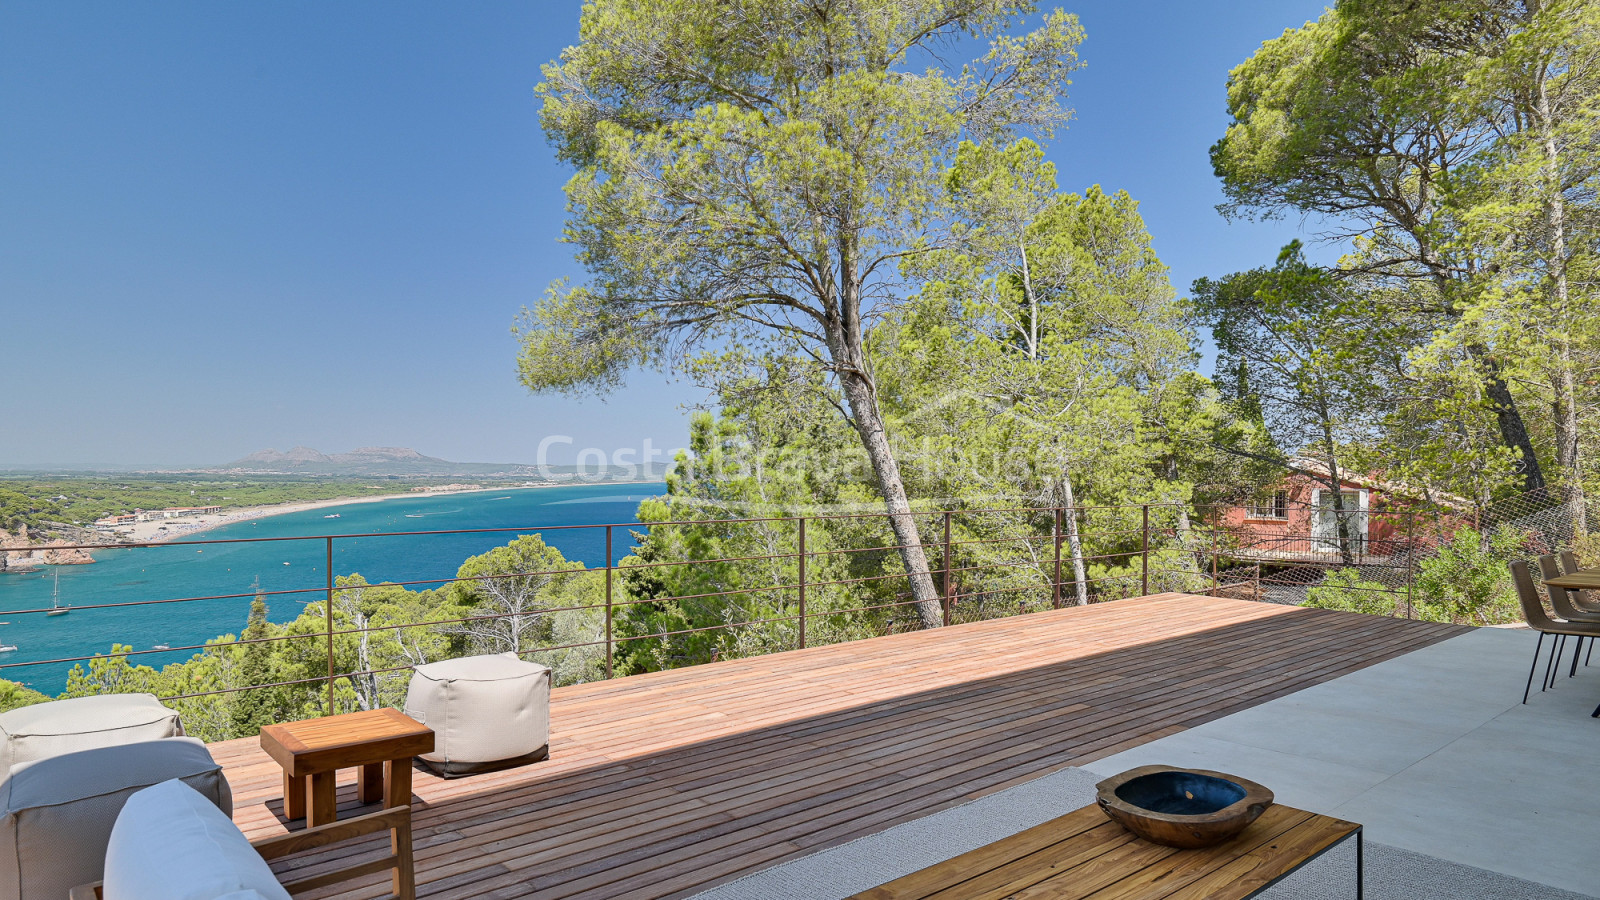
193 567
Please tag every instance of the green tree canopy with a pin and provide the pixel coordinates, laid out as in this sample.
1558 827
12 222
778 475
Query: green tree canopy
750 173
1366 117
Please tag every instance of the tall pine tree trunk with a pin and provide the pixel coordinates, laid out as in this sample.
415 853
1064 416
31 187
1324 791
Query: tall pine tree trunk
1508 416
847 344
1513 430
1568 459
1185 529
1080 579
1341 528
868 421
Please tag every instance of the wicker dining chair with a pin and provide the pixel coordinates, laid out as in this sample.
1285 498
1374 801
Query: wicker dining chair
1539 620
1561 600
1588 601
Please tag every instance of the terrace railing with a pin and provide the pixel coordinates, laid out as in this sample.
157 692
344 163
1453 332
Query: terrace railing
822 578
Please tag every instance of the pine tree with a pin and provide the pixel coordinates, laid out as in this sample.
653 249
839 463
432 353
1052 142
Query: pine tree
255 708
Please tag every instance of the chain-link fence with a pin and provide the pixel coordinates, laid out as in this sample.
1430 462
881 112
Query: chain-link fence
1427 561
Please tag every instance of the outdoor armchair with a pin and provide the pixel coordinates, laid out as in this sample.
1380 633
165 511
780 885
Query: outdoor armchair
56 814
168 843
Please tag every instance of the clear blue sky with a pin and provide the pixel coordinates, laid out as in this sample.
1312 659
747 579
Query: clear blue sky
229 226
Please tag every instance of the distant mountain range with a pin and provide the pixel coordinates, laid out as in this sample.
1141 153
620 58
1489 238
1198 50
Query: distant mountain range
401 461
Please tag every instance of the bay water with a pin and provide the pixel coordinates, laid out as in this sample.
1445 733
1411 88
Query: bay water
293 560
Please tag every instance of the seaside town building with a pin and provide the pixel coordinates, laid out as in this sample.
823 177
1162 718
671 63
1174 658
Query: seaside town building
154 515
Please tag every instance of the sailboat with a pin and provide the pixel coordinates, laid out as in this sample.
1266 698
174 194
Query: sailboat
56 609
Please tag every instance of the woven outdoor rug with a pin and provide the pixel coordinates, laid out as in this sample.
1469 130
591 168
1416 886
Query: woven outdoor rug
1392 873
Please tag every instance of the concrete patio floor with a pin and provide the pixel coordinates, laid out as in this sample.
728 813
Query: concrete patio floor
1433 752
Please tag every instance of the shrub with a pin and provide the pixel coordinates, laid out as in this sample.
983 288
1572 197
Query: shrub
1468 580
14 695
1345 589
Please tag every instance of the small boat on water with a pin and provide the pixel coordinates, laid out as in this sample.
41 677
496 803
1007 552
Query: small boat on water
334 516
161 647
413 515
56 609
7 648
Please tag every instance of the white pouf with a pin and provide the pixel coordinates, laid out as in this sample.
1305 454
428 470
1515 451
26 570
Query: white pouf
171 843
56 814
82 723
486 712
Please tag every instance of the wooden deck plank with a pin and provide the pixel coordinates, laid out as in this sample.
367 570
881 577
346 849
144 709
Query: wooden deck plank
664 784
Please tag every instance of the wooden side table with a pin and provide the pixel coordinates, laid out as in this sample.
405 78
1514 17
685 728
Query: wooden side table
380 741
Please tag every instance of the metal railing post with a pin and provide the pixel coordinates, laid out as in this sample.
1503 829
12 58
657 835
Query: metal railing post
1216 545
328 617
947 567
802 582
1144 553
1411 558
1055 587
609 642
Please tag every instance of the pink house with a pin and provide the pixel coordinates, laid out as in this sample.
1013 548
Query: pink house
1297 520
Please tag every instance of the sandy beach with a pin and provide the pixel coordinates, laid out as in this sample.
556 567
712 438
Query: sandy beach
165 530
160 532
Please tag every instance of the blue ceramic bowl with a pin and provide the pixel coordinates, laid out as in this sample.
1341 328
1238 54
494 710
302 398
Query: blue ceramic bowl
1182 807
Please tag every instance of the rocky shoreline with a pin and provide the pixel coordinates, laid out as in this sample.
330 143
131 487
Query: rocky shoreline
31 554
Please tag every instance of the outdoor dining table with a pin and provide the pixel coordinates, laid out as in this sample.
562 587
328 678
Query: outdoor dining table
1581 580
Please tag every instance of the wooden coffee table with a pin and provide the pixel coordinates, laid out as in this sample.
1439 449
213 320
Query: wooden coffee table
380 741
1084 853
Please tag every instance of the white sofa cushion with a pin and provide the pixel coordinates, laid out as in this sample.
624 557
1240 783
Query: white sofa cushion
170 843
82 723
56 814
484 711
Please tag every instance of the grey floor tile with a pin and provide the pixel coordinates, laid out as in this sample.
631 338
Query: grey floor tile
1314 784
1549 845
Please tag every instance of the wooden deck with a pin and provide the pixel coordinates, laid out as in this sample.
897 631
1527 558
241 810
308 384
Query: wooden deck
665 784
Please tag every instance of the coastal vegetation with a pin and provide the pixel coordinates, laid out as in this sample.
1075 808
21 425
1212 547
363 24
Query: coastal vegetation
1454 149
40 503
859 247
864 254
1019 345
751 178
523 597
